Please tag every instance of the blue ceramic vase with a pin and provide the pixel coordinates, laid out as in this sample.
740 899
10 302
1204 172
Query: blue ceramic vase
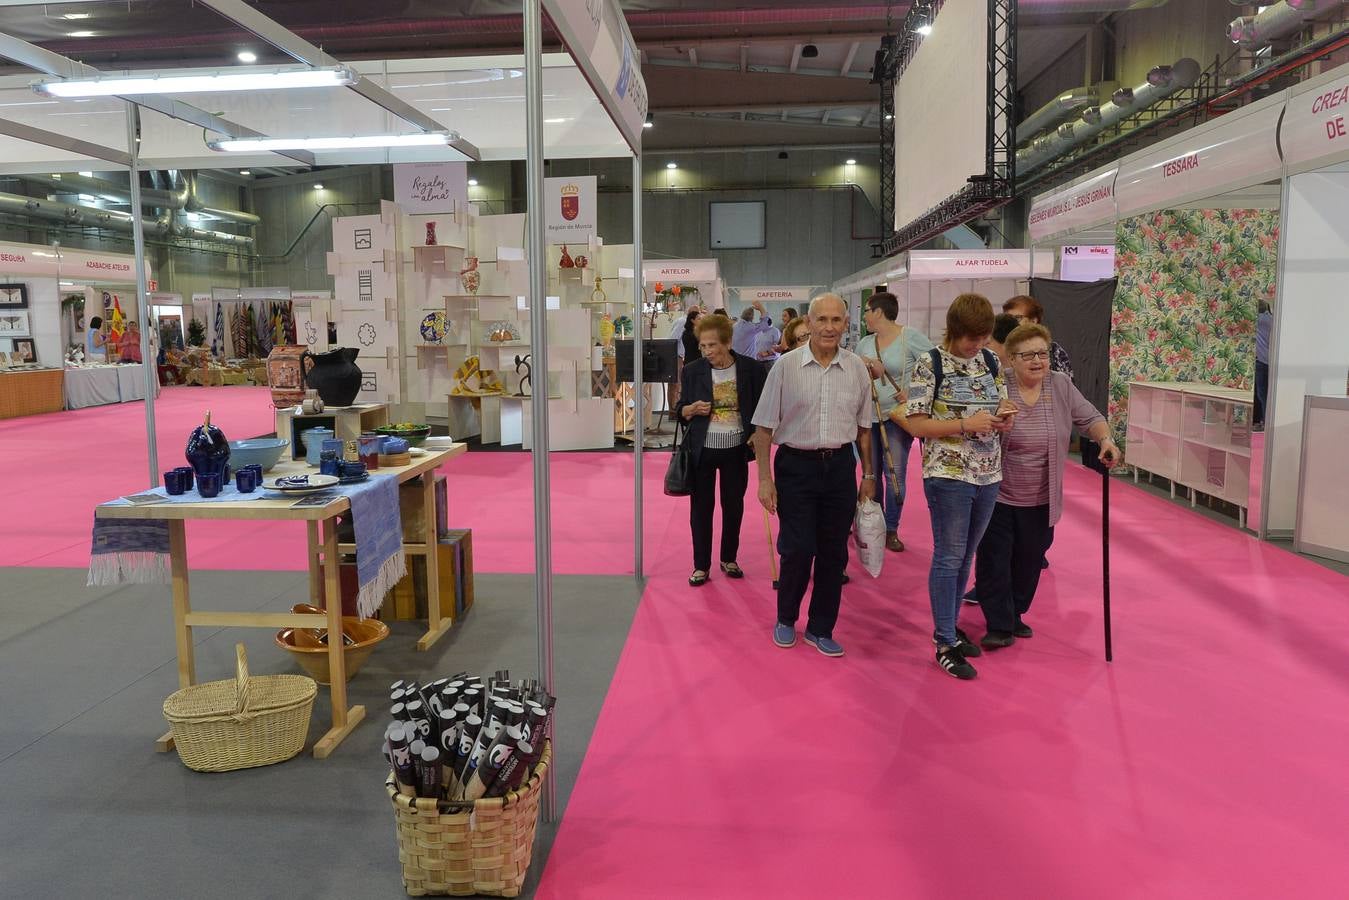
208 451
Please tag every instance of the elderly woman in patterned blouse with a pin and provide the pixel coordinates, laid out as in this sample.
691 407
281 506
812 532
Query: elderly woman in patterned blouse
1030 498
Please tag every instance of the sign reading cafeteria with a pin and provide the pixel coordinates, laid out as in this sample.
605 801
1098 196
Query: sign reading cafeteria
790 295
570 203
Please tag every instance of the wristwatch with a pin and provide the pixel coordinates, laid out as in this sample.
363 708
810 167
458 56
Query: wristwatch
867 476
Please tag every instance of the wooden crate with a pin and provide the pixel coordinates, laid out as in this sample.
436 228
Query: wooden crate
407 600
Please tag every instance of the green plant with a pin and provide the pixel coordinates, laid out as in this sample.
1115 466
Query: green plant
196 333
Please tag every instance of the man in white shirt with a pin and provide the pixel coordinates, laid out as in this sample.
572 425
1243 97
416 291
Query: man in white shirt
817 400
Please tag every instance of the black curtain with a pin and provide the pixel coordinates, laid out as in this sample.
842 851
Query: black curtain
1078 315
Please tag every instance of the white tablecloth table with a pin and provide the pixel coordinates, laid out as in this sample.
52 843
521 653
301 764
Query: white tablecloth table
101 385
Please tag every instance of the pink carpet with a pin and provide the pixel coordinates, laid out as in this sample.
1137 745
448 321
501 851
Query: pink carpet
69 462
1206 761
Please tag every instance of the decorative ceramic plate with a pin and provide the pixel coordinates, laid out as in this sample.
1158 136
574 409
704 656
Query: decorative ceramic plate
434 327
300 484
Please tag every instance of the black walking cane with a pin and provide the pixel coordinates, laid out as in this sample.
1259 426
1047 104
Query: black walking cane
1105 559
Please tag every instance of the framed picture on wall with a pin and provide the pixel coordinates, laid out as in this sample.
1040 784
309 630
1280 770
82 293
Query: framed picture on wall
25 350
13 296
13 323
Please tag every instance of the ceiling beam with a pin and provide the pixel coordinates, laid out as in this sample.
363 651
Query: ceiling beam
674 88
41 60
796 58
63 142
848 60
819 39
290 43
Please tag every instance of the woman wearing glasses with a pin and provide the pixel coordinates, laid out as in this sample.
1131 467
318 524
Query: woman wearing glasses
1030 499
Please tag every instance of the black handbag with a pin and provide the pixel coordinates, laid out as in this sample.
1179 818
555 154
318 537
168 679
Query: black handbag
679 474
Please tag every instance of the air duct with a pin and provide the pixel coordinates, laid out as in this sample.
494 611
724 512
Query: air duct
1276 21
1054 112
1162 82
183 197
92 217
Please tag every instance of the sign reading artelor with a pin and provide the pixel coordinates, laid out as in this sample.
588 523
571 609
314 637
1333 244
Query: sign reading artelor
421 188
570 203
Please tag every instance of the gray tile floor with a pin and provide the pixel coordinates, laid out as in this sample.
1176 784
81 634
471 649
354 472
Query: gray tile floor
91 810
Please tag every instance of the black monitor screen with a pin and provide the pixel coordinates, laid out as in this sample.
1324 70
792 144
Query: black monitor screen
660 359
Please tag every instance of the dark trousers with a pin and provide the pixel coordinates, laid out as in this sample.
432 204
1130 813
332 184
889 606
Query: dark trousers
1007 569
816 501
1261 392
734 469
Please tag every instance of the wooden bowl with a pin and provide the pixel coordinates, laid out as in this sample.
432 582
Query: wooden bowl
312 655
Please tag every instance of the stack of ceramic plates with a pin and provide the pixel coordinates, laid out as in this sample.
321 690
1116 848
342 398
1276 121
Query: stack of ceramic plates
302 484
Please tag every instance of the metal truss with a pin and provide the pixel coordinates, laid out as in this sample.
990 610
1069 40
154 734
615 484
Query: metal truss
996 186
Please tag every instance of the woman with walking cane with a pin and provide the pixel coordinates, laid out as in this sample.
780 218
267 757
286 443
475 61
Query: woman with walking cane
890 352
1030 499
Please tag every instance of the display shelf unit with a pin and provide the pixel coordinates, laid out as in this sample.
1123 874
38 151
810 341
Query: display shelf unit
1197 436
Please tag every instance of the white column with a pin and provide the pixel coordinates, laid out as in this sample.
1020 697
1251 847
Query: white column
148 362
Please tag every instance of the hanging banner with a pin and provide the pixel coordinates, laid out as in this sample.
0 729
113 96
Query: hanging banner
571 207
948 264
421 188
1081 205
799 296
22 259
679 270
597 36
1316 125
1087 262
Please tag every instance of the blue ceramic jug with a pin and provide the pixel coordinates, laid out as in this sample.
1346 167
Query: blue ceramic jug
313 443
208 451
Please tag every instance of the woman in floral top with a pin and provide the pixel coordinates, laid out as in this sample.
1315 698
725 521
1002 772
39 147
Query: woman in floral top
958 404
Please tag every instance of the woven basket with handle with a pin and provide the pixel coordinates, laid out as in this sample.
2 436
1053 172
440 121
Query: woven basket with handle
241 722
449 851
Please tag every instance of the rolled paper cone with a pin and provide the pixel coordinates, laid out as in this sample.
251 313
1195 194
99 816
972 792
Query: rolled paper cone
429 784
396 687
398 711
488 769
405 774
468 733
416 748
513 773
445 731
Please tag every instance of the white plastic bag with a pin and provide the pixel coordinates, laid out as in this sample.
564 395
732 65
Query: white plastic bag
869 535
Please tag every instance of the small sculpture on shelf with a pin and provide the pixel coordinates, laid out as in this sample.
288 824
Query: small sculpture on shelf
606 330
582 262
598 295
487 384
430 234
502 332
469 276
567 262
528 377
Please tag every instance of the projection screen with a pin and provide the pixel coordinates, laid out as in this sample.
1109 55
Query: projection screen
941 111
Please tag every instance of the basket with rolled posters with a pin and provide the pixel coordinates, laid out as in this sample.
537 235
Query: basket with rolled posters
465 790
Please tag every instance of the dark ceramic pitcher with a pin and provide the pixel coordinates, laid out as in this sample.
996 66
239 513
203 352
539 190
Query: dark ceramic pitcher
334 375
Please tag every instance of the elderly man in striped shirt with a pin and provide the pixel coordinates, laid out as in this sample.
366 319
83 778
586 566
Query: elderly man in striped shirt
816 402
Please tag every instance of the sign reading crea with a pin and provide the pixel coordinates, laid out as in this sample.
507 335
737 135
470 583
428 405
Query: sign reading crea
1316 124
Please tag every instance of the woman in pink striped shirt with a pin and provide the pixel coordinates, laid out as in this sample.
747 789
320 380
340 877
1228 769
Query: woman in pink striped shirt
1030 498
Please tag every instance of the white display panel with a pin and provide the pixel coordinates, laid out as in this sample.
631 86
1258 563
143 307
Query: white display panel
736 225
941 111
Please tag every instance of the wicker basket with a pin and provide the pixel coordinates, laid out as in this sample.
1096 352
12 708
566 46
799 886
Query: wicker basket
237 724
459 854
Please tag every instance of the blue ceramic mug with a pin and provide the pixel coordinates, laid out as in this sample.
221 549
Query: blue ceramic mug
208 484
246 480
187 476
174 483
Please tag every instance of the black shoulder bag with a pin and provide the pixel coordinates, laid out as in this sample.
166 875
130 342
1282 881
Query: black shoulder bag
679 474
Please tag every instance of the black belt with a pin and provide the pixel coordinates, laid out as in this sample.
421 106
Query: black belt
824 453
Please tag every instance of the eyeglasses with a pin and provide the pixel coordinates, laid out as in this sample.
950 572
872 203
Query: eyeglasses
1032 354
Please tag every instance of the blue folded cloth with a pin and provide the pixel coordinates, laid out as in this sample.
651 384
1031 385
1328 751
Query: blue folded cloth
380 562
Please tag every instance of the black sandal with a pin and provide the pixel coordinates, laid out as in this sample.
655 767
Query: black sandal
732 570
698 579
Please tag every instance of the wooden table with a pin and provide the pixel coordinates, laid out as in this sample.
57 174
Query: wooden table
323 582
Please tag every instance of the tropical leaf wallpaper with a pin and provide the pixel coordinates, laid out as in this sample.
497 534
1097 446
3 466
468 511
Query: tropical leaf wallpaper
1190 283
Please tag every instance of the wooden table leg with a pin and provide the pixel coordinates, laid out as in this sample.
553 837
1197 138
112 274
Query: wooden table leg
344 720
182 605
439 625
315 573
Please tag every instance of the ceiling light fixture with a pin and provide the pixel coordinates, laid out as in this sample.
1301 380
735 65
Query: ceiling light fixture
75 16
87 197
473 182
671 166
331 76
86 174
555 121
650 121
80 34
318 187
356 142
922 19
247 56
245 172
851 162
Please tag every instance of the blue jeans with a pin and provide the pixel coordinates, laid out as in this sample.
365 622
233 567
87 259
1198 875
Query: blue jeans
960 512
900 443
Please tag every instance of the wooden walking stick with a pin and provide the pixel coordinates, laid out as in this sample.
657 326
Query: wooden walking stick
772 548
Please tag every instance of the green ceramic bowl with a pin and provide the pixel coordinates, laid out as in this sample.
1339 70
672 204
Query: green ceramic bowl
414 436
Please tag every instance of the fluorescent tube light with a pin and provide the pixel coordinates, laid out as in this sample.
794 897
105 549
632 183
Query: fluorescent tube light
247 56
332 76
357 142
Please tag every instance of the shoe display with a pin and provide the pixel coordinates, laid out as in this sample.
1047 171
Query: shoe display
953 663
827 646
997 639
784 635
